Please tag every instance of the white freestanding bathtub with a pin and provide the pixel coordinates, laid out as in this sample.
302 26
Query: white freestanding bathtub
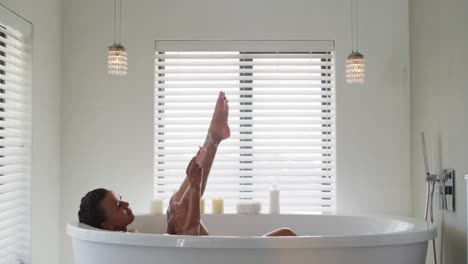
323 239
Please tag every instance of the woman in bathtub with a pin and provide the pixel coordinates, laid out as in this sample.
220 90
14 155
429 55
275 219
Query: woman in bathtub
101 208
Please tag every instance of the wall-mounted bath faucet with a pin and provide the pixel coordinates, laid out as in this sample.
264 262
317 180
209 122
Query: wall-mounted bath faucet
446 181
447 190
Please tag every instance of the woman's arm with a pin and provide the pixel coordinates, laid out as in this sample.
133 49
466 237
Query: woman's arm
192 220
186 219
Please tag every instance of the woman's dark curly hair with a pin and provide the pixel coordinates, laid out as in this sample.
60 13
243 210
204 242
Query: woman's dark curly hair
91 213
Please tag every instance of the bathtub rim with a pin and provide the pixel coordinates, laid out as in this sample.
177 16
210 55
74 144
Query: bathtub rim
421 231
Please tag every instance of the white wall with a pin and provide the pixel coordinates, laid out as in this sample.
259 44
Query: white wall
439 106
45 16
107 122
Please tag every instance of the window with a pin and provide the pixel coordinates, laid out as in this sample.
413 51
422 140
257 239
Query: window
15 138
282 118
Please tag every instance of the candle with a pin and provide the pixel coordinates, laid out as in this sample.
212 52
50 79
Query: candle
274 200
248 207
202 206
218 205
156 206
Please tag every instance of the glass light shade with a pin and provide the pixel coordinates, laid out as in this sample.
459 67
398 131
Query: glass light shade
355 68
117 60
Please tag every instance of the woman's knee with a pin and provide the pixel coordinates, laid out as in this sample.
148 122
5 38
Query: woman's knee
282 232
287 232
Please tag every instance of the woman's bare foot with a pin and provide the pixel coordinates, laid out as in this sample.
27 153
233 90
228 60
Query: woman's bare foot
219 127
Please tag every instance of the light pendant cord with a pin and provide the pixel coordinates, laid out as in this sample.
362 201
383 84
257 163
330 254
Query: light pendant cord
115 21
352 25
357 31
120 21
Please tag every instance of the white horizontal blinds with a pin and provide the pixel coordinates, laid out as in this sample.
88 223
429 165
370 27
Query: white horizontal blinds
183 113
281 117
15 138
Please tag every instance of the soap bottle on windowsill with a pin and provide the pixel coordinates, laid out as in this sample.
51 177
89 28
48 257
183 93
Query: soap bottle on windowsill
274 200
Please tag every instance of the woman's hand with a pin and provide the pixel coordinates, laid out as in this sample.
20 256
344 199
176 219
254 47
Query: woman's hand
194 173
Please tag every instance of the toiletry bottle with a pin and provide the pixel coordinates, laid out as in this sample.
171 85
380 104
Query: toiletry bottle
274 200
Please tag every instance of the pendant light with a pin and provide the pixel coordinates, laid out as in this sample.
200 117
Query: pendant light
355 67
117 54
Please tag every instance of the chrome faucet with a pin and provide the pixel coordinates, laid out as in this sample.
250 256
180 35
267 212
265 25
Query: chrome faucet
446 181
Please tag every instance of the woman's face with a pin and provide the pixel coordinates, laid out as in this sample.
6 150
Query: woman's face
118 213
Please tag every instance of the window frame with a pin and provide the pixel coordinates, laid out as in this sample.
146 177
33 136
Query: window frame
283 45
16 139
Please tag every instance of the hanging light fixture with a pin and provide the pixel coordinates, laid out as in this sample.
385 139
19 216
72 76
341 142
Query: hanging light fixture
355 67
117 54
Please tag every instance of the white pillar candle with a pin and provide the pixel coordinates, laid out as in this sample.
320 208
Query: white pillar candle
274 200
156 206
202 206
218 205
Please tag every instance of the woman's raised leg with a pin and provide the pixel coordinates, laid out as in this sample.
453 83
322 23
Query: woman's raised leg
184 208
